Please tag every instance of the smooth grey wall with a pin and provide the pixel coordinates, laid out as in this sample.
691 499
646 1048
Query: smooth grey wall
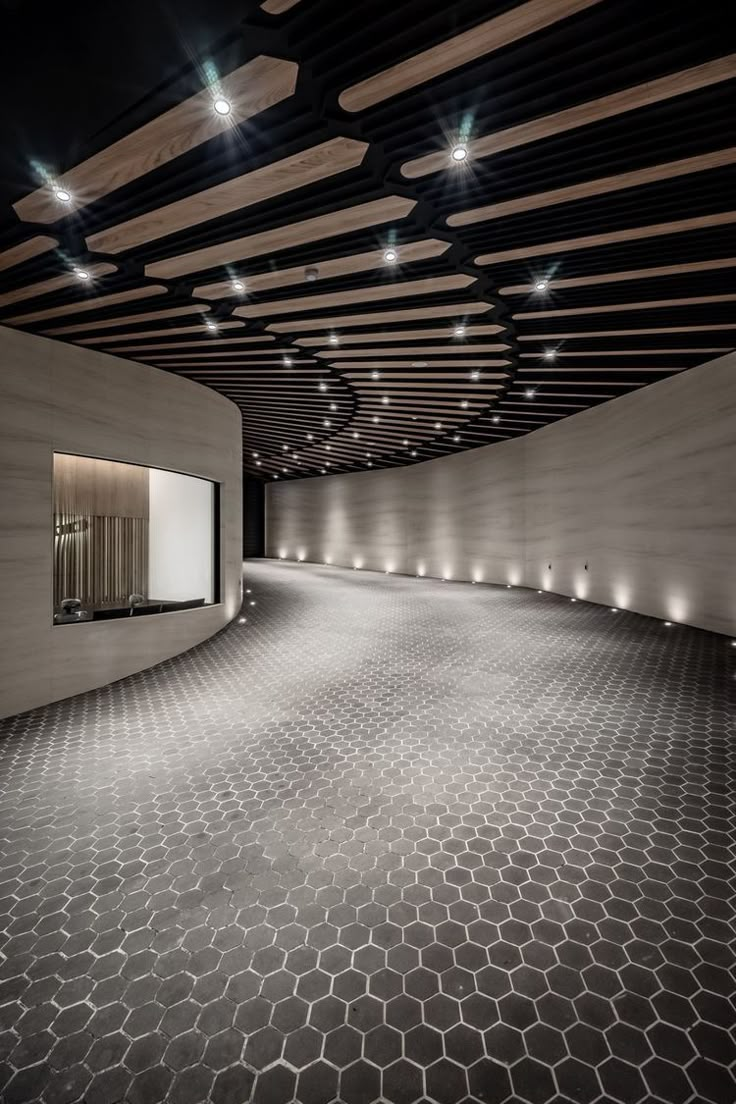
641 489
56 397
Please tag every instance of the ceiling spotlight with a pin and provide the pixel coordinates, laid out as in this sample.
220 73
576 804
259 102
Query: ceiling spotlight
459 153
376 419
496 419
222 106
334 339
549 354
311 274
459 331
356 435
310 437
62 194
413 452
369 464
541 285
211 325
475 375
81 274
275 476
322 385
405 442
255 455
288 362
438 425
258 463
327 423
529 393
238 285
464 404
333 406
385 400
456 438
390 256
322 471
375 375
285 448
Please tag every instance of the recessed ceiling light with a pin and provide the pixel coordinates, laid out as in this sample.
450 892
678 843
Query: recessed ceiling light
438 425
541 285
81 274
255 455
385 400
356 435
310 437
222 106
334 339
322 385
333 406
376 419
459 153
459 331
375 375
495 419
529 393
464 404
238 285
456 438
413 452
285 447
62 194
288 362
275 476
475 375
405 441
321 471
369 464
390 256
327 423
210 325
549 354
258 463
419 364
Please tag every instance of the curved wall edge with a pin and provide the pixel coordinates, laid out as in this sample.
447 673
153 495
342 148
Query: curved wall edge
60 398
640 489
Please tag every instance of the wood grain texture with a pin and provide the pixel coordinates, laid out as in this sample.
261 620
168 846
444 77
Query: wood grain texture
606 107
482 330
434 285
462 362
127 320
26 251
56 283
566 353
443 310
590 241
652 304
328 270
277 7
637 178
250 89
611 487
461 349
92 486
345 221
485 38
59 398
624 277
298 171
207 342
98 302
140 335
425 379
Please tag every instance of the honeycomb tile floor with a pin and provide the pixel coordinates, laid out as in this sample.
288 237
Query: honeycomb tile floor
390 840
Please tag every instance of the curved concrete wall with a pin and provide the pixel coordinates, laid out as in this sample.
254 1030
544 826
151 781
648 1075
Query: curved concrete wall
55 397
641 489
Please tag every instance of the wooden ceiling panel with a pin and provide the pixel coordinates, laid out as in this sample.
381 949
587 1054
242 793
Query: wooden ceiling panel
26 251
277 7
58 283
623 277
328 270
475 43
403 289
401 335
585 334
413 314
127 320
590 241
594 111
348 220
298 171
140 335
250 89
98 302
652 304
634 179
419 350
387 365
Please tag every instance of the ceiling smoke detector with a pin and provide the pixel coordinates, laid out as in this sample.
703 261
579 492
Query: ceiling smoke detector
311 274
